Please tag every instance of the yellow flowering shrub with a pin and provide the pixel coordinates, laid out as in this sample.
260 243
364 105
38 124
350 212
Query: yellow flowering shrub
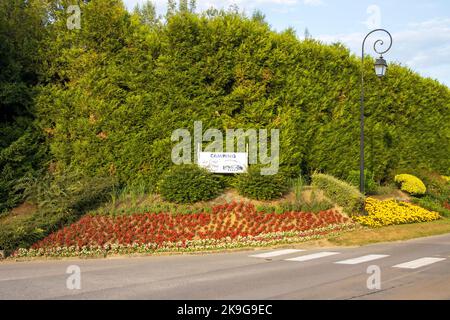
446 178
410 184
390 212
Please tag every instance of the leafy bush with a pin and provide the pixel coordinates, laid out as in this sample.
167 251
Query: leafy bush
390 212
189 184
410 184
433 204
342 193
62 200
68 191
437 194
23 157
256 186
24 232
437 186
370 186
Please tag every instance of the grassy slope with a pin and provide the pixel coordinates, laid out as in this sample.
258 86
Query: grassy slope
392 233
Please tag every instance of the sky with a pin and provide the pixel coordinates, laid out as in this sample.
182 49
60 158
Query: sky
420 28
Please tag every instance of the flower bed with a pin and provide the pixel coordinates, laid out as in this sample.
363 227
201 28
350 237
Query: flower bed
228 226
390 212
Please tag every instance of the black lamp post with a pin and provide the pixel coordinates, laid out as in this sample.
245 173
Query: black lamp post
380 71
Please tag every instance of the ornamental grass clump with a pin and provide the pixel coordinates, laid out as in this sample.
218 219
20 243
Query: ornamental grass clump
392 212
410 184
340 192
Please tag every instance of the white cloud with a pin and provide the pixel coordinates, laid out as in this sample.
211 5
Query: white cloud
422 46
313 2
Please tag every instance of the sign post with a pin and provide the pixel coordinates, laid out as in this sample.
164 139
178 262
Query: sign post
223 162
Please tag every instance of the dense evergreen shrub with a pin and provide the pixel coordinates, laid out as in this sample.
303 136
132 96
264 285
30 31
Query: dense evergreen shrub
342 193
189 184
256 186
112 93
230 71
370 185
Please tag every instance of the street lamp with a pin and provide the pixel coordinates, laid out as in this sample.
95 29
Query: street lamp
380 71
380 67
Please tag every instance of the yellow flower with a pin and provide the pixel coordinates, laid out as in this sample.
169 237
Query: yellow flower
391 212
410 184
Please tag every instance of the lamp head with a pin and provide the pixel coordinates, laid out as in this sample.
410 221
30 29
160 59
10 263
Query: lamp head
380 67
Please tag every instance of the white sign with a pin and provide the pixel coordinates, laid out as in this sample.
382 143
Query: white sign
224 162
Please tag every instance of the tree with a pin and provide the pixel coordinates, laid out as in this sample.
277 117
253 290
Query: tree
307 34
147 13
22 30
192 5
183 6
258 16
171 8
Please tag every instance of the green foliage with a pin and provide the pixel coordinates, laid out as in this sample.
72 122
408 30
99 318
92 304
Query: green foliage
433 204
121 88
256 186
108 96
438 192
342 193
189 184
62 199
23 157
297 186
313 204
370 185
24 232
22 148
437 186
70 191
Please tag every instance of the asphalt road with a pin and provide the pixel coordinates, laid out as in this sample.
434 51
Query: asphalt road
416 269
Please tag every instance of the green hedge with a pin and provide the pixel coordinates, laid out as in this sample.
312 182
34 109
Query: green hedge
230 71
342 193
261 187
370 186
189 184
115 91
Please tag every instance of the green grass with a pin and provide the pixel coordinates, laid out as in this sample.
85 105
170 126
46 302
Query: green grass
392 233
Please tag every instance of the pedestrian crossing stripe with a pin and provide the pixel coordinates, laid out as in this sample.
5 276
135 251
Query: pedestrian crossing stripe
276 253
422 262
367 258
313 256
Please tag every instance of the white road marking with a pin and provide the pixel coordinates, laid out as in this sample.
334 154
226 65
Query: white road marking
418 263
363 259
313 256
276 253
